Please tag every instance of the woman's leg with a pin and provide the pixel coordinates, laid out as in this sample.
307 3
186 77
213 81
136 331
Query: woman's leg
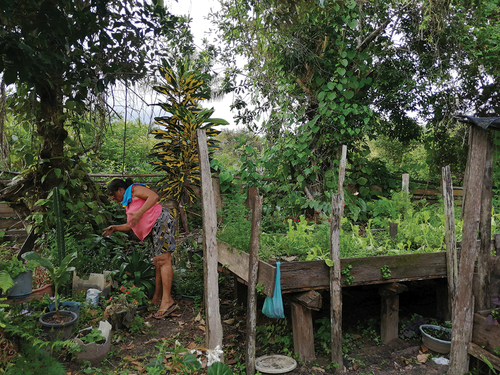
164 281
156 300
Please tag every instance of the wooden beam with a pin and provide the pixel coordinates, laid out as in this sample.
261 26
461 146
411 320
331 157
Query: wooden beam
463 307
237 262
253 268
484 256
210 251
315 274
303 333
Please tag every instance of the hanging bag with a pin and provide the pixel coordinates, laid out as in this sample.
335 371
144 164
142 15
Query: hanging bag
273 307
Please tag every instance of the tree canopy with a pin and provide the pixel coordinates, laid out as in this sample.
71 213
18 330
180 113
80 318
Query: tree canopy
361 69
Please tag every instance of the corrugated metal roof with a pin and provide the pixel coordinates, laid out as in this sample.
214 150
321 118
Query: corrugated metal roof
482 122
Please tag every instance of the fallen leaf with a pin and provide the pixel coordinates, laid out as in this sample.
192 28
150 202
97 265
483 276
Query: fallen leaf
198 317
422 358
202 328
424 349
231 362
191 345
151 341
175 315
355 366
290 259
357 336
229 321
319 369
130 346
202 321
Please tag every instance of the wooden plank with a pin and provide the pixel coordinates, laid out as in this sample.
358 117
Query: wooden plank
6 211
310 299
210 251
11 223
463 308
482 354
236 261
484 334
303 332
315 274
253 267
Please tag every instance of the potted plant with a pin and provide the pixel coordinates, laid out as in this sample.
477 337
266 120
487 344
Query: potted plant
436 338
94 343
57 324
123 305
19 275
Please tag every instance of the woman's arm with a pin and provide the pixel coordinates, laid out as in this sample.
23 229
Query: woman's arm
116 228
150 198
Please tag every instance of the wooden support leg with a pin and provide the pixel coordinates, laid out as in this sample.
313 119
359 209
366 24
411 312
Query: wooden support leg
240 291
443 308
389 325
303 335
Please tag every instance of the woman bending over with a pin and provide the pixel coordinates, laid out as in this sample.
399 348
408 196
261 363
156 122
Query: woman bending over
145 216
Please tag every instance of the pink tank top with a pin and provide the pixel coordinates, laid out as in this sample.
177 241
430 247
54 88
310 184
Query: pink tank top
147 221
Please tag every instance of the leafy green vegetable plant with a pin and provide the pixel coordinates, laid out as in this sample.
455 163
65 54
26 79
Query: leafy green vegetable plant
93 335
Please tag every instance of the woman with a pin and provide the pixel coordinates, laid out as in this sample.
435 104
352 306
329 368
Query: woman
145 216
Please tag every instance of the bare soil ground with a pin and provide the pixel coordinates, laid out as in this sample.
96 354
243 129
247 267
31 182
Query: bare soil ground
131 353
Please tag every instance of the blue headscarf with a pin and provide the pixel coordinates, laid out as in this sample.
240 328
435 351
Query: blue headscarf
127 196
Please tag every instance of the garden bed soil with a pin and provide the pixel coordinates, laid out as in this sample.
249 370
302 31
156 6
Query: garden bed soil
130 354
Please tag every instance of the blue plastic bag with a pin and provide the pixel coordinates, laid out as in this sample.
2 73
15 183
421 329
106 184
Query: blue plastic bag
273 307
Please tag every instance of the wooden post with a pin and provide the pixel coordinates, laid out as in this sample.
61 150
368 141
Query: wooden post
389 320
335 270
450 237
463 308
405 183
253 269
335 282
210 251
393 230
302 323
483 260
303 333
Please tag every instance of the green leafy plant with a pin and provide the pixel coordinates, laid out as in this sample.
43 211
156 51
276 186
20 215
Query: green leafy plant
177 153
136 268
11 268
386 271
180 359
346 272
58 275
92 335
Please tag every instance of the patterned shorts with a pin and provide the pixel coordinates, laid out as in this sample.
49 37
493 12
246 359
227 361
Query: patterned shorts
163 233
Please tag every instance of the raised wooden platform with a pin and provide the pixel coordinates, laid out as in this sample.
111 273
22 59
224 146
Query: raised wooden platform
298 277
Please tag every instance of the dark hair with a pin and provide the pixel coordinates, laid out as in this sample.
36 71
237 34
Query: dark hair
117 183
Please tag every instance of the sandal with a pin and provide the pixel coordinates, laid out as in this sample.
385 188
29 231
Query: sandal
163 313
